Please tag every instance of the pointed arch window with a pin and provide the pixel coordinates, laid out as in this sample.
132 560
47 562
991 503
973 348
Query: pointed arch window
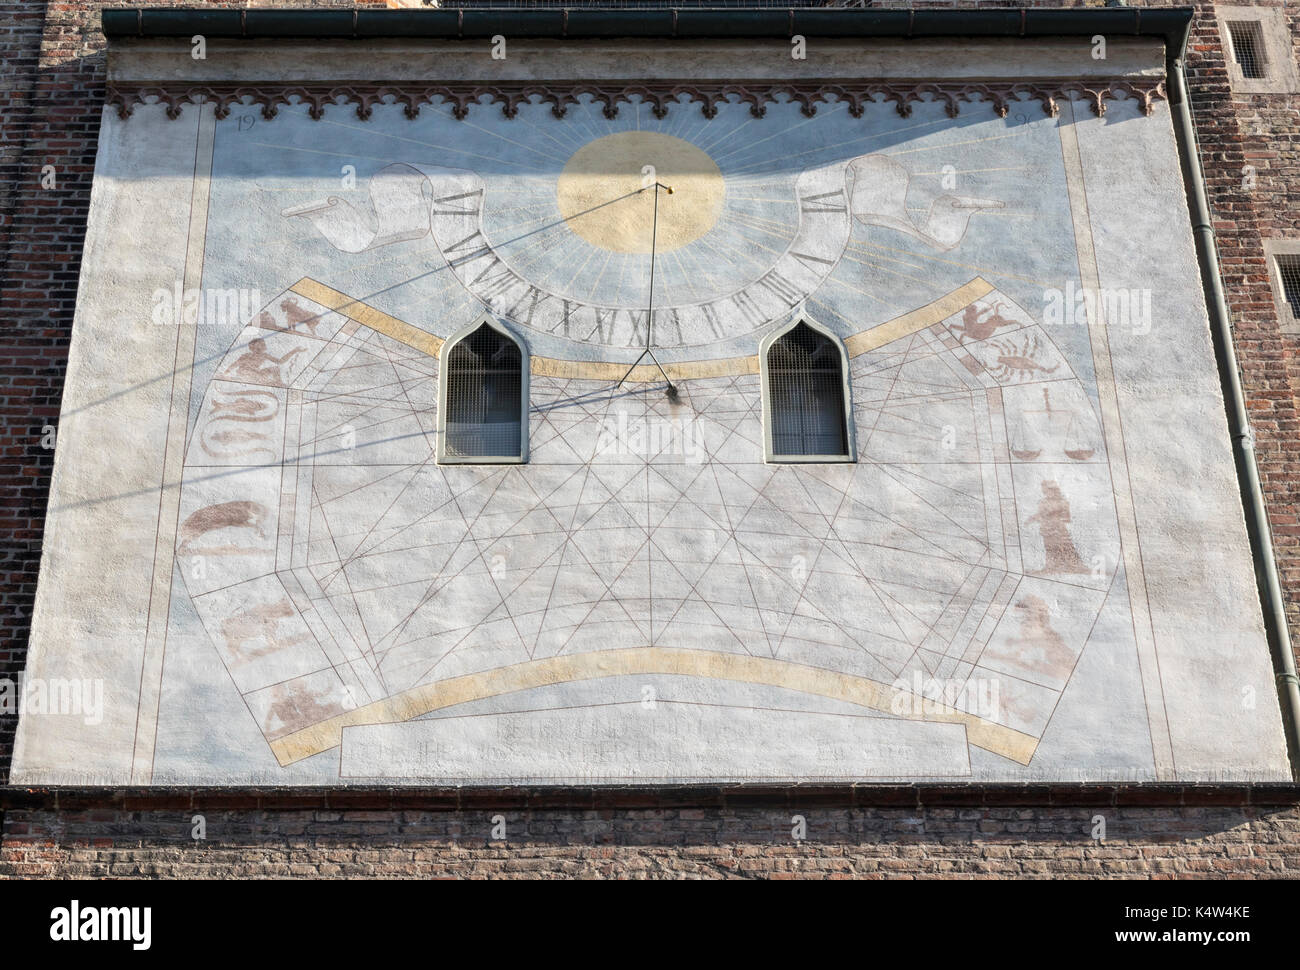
483 396
806 404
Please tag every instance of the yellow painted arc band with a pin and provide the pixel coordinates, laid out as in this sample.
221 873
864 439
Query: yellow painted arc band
368 316
592 370
918 319
643 373
998 738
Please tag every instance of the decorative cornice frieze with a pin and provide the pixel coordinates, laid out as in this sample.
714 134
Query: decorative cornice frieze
659 95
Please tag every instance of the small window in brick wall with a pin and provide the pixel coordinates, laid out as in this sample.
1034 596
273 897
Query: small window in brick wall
1248 47
1257 45
1288 273
1282 256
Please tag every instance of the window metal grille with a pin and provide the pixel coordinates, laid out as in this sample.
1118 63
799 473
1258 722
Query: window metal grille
1288 271
806 394
1248 47
484 405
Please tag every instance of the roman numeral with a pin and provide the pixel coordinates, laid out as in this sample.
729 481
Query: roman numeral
639 321
464 204
715 322
537 297
784 289
563 325
747 305
604 328
674 321
476 252
495 279
825 202
808 259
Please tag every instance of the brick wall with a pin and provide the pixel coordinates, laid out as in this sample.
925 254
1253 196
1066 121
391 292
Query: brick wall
21 26
915 839
1262 131
49 106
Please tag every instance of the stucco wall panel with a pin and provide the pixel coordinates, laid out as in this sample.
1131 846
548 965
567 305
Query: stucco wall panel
992 532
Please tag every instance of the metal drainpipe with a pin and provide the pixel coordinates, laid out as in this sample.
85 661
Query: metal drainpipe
1207 251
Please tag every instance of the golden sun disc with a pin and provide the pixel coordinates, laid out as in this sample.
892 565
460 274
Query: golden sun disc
598 192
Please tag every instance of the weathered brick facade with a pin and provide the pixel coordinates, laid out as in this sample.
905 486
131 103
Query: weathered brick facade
871 844
874 833
50 104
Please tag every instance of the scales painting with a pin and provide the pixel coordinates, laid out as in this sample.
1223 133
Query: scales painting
656 431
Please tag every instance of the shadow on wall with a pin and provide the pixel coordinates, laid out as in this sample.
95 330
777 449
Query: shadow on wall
1189 841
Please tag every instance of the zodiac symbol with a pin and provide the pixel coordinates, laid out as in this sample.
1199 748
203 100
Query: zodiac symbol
258 623
239 406
257 366
1042 649
295 706
1017 360
977 325
1053 519
1056 427
226 515
296 315
248 405
231 440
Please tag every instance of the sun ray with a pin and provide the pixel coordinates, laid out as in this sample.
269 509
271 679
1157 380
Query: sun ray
839 107
370 133
982 270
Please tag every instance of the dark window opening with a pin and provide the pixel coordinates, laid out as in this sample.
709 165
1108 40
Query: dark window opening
484 405
1288 271
805 375
1248 47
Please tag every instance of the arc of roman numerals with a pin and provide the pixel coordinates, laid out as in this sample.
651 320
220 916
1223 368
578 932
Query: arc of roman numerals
456 223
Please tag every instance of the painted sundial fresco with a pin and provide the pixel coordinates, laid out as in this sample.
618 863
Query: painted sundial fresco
646 597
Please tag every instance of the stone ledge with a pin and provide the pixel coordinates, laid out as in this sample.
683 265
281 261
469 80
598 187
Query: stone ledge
597 798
